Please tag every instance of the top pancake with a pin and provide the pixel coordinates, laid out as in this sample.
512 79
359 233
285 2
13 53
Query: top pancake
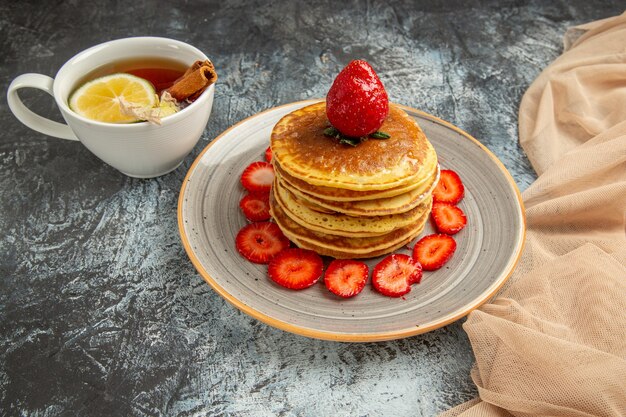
301 149
341 194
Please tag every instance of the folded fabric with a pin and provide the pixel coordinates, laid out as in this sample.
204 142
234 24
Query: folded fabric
553 343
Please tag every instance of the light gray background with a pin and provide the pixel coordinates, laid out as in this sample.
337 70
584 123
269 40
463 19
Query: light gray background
101 312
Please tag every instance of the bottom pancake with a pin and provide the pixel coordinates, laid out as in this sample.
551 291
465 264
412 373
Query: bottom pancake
342 247
342 254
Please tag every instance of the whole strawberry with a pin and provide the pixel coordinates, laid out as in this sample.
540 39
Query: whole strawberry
357 103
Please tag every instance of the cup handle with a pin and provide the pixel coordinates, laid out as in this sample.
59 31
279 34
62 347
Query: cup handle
29 118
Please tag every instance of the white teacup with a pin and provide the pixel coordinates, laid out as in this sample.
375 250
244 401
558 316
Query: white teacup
143 149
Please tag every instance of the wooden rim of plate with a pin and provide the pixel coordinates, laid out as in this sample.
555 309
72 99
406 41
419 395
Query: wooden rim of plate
351 337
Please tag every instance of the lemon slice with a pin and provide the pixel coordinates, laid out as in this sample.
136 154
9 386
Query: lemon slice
100 99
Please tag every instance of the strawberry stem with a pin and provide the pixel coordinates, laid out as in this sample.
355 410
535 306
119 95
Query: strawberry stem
333 132
380 135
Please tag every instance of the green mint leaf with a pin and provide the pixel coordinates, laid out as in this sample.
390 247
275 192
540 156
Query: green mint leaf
343 139
380 135
349 141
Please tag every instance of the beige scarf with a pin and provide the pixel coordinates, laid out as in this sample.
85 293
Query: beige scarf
553 343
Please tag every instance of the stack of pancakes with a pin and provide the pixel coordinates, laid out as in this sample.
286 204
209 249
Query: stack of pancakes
351 202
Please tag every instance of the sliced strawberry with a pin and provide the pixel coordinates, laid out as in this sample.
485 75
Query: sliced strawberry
433 251
449 189
268 154
296 268
345 277
256 206
258 177
448 219
357 103
394 275
260 242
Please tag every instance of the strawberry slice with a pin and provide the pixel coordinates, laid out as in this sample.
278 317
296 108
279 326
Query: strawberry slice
256 206
433 251
260 242
258 177
296 268
448 219
268 154
345 277
449 189
394 275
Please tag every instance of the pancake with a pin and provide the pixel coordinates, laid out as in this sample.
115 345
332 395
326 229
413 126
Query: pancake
342 247
351 202
342 194
341 224
340 253
379 207
301 149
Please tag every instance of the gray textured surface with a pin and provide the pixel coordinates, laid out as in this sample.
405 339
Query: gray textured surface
101 311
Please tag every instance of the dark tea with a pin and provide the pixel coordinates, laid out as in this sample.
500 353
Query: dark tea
140 89
160 72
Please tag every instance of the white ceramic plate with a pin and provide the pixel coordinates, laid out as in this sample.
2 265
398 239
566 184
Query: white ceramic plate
487 249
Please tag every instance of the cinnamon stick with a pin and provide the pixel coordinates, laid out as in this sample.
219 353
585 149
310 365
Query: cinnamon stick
198 77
